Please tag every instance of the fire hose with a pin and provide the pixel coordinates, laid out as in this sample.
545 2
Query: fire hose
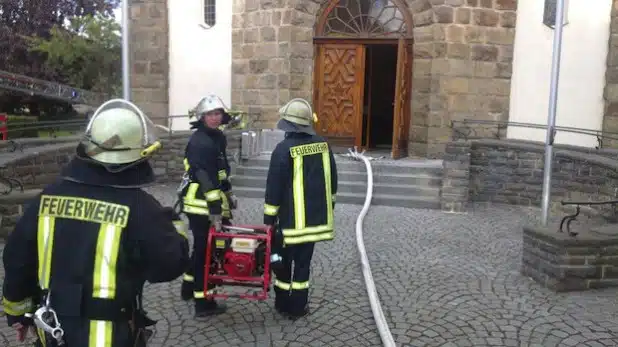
378 315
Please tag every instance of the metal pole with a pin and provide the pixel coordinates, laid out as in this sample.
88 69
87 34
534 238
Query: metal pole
553 104
126 61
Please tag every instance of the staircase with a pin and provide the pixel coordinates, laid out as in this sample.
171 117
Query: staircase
404 183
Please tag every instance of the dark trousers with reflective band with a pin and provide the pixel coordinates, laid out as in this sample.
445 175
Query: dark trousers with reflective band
292 280
199 225
90 333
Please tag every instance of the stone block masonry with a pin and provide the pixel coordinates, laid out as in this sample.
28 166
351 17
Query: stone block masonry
462 54
564 263
511 172
456 177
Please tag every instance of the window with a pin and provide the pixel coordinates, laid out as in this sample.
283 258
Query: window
549 13
365 18
210 13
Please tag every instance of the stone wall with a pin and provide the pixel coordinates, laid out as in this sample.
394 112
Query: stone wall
454 194
149 58
11 209
610 120
38 166
564 263
462 61
511 172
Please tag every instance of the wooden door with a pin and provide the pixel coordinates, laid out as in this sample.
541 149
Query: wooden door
401 112
339 93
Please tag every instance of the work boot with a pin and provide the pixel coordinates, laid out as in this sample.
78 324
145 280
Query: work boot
206 308
186 291
297 315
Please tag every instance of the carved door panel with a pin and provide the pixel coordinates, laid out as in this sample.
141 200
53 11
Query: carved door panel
401 114
340 87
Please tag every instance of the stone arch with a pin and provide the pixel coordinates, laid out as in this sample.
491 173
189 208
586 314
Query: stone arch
395 6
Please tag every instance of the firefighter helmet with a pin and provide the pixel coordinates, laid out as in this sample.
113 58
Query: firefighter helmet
120 133
210 103
297 116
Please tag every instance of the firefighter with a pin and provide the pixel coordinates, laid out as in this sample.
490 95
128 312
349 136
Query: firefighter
299 202
90 240
205 195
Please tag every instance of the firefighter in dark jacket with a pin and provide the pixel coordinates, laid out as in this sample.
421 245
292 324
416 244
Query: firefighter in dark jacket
86 245
300 197
206 195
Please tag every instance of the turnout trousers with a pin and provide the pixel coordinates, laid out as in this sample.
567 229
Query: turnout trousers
194 276
292 279
79 332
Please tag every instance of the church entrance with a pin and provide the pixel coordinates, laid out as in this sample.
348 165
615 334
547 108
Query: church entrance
362 76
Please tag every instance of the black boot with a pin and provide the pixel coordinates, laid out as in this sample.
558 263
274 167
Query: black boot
294 315
206 308
186 291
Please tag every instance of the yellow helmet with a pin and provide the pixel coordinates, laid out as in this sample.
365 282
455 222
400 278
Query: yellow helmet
120 133
297 116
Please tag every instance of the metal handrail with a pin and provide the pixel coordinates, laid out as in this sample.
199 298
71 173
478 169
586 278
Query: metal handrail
465 128
570 218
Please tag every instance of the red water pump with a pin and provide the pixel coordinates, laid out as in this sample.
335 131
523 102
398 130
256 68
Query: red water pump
238 256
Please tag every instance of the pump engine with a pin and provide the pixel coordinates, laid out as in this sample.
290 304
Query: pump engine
239 256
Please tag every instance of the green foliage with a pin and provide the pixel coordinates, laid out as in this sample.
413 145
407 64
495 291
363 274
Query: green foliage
88 52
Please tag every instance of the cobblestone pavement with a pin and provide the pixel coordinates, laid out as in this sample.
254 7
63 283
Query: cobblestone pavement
444 280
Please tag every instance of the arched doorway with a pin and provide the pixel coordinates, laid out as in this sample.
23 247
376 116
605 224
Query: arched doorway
362 74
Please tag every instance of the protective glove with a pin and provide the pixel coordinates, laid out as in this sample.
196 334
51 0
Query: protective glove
232 200
217 222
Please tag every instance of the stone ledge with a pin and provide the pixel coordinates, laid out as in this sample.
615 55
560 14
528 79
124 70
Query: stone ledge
564 263
12 207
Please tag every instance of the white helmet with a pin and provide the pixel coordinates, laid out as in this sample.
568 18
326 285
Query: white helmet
120 133
210 103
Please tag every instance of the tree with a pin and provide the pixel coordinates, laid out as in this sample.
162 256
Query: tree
87 52
25 18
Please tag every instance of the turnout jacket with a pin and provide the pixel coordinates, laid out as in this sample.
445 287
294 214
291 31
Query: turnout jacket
208 172
301 188
90 240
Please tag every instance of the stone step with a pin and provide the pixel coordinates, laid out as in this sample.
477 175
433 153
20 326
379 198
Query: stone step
353 187
422 179
406 166
359 199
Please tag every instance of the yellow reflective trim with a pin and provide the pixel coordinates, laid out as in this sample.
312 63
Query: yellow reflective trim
41 334
222 175
87 210
45 237
308 230
191 197
201 295
298 187
271 210
213 195
195 202
17 308
327 236
195 210
105 261
185 162
329 188
282 285
188 278
181 227
101 333
309 149
300 285
219 243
